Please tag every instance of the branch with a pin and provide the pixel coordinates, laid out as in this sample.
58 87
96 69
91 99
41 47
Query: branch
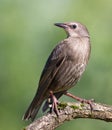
69 111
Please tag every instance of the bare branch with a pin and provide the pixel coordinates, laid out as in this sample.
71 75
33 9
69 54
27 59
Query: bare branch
69 111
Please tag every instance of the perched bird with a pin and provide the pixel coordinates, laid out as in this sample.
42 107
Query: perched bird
63 69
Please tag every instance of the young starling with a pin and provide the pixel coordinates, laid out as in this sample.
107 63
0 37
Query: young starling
63 69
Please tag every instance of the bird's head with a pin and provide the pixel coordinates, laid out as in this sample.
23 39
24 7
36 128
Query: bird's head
74 29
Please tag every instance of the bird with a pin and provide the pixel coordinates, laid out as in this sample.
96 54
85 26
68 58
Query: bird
63 69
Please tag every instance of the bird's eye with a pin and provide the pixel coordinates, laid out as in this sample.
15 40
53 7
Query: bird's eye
74 26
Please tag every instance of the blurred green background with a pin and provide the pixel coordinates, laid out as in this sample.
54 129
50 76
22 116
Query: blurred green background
27 36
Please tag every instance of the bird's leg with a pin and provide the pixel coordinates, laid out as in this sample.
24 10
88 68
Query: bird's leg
54 103
81 99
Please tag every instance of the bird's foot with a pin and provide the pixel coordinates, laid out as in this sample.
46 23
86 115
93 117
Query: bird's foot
53 102
90 102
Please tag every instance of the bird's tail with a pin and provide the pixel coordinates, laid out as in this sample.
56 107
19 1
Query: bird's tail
33 109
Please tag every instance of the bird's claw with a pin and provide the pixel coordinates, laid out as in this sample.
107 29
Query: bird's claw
90 102
53 102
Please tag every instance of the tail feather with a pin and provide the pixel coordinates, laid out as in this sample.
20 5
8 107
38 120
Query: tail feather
33 109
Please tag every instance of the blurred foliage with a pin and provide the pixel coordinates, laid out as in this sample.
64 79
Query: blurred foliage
27 36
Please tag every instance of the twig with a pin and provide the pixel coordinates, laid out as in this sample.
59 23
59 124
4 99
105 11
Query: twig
69 111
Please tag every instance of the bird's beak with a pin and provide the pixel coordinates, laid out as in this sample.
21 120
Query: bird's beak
62 25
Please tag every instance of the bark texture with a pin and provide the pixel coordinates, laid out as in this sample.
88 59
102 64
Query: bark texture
70 111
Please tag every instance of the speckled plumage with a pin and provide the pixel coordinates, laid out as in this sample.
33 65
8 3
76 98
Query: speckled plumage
64 66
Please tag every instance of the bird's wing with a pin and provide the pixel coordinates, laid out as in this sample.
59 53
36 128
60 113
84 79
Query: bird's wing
53 64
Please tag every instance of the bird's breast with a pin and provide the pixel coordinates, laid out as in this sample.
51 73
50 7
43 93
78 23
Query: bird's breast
79 50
